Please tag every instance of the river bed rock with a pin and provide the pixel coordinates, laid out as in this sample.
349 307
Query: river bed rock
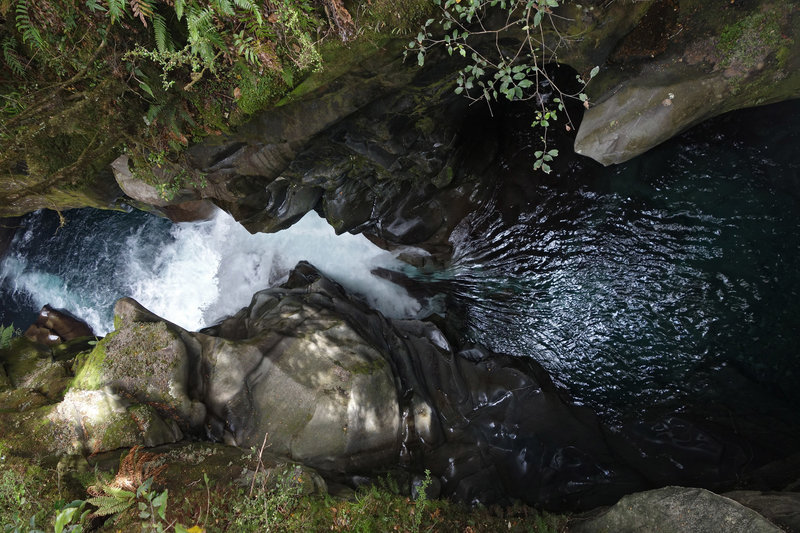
329 383
677 510
685 62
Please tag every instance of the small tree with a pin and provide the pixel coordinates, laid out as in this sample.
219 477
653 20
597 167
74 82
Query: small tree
475 30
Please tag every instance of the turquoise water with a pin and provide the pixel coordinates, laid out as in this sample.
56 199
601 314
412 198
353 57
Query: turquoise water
665 283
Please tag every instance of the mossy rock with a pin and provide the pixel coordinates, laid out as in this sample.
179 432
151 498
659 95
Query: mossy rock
144 360
36 374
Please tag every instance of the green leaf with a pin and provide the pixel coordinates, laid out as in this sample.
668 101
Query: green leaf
594 72
146 88
421 58
63 518
116 8
160 503
537 19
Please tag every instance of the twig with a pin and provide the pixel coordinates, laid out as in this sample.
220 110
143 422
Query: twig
258 465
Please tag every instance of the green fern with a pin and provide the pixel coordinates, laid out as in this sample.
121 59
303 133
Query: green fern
116 8
249 5
118 493
244 47
179 5
11 57
224 7
153 112
108 505
113 501
203 35
164 40
26 27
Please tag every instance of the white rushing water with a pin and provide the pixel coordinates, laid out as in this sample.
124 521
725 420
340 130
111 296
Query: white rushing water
201 272
212 269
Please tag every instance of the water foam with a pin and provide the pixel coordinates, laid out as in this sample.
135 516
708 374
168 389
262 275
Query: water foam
211 269
192 274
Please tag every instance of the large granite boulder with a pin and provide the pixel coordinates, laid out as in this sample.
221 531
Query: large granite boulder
676 510
312 374
687 61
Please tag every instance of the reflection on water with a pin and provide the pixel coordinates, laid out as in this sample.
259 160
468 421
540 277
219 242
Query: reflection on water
635 283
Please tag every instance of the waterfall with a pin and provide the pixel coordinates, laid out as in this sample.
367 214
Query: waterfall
193 274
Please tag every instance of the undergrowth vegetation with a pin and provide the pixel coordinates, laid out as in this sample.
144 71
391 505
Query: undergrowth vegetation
280 500
94 77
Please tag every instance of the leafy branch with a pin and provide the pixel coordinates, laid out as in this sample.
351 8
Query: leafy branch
477 30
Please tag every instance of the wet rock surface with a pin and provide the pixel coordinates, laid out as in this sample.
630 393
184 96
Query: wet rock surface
677 509
54 326
333 385
696 61
386 149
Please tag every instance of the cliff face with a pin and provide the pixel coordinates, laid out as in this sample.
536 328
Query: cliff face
373 142
387 149
339 388
686 62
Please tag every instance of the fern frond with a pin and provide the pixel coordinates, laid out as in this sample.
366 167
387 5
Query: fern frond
179 5
142 9
12 60
244 47
249 5
224 7
163 39
203 35
153 112
198 21
116 8
24 25
120 494
108 505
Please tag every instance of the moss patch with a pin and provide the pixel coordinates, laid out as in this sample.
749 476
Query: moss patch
748 41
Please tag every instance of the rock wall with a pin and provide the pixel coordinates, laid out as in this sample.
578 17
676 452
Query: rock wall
685 62
332 384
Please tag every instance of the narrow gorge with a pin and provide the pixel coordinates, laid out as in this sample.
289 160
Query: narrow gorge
371 277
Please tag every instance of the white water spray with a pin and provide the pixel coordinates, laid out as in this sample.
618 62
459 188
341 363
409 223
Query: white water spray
212 269
198 273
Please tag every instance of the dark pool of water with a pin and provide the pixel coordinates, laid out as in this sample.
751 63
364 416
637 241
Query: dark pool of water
666 282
